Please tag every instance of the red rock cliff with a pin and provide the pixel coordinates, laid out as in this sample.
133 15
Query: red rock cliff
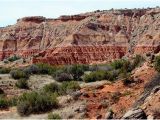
83 38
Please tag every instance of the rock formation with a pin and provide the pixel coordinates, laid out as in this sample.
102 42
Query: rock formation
84 38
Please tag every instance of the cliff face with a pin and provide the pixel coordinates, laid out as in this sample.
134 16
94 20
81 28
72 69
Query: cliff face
83 38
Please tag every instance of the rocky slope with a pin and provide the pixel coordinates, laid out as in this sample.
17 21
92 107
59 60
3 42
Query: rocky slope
85 38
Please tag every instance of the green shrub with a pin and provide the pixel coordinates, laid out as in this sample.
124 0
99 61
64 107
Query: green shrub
3 103
19 74
111 75
35 103
101 75
23 84
13 101
157 63
63 77
4 70
51 88
67 87
137 60
13 58
54 116
46 68
117 64
95 76
32 69
127 66
64 88
77 71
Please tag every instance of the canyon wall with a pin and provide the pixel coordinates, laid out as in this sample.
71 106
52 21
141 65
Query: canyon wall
82 54
85 38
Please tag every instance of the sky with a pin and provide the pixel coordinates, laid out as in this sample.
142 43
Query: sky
11 10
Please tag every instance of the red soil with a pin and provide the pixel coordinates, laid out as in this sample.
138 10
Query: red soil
127 97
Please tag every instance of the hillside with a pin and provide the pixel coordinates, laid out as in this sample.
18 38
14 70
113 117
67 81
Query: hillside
84 38
95 65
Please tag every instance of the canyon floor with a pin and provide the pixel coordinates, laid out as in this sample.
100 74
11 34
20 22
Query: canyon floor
96 100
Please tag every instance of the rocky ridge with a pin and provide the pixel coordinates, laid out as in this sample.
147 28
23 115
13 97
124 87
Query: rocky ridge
85 38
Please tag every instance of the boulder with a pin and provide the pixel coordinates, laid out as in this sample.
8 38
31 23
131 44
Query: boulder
135 114
109 115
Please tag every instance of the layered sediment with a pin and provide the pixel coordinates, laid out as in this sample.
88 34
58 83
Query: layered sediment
85 38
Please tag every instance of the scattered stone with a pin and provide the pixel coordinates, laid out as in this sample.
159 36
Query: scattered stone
150 117
76 95
81 109
109 115
98 116
155 89
135 114
85 95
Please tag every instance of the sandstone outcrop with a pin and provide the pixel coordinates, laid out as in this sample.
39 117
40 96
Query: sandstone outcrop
84 38
36 19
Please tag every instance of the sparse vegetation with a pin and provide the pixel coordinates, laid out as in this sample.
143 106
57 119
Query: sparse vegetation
4 70
54 116
61 89
94 76
77 71
137 60
45 100
100 75
117 64
3 103
70 86
63 77
35 102
32 69
23 84
45 68
19 74
13 101
157 63
14 58
52 88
